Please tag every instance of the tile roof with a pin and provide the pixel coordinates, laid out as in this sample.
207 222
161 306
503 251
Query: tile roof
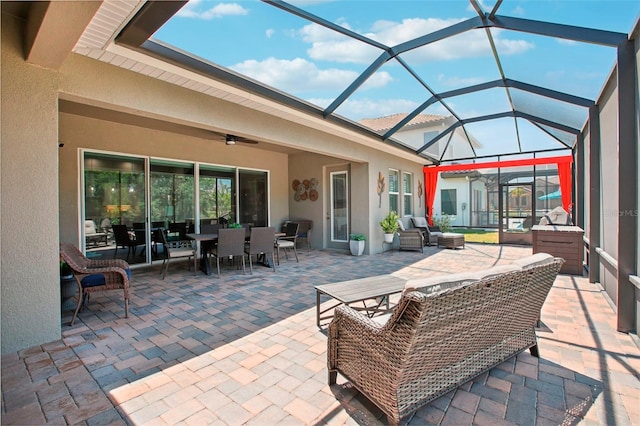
387 122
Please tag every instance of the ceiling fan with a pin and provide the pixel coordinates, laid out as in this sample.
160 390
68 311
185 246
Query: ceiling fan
232 140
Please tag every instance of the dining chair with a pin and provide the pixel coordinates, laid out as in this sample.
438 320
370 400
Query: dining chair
123 240
261 243
288 241
230 244
176 250
93 275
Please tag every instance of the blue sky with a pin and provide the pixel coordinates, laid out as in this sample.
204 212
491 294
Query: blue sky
316 64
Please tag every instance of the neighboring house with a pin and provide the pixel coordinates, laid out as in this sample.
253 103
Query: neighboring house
421 130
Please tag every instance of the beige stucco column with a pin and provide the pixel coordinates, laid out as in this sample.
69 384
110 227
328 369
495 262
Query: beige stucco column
29 281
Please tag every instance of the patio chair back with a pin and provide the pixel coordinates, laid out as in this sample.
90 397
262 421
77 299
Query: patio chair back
230 244
174 250
261 242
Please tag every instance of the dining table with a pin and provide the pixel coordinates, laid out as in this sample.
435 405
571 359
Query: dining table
207 240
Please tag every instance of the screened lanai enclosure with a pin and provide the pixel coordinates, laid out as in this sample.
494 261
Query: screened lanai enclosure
499 84
453 82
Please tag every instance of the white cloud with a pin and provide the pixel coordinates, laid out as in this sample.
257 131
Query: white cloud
299 75
453 81
193 10
368 108
270 32
566 42
518 11
330 46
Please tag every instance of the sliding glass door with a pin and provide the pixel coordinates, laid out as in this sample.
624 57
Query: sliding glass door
253 197
114 194
179 193
217 195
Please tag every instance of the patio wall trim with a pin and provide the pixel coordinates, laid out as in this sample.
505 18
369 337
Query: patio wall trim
608 259
635 280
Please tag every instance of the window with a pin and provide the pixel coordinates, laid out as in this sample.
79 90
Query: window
448 201
394 190
407 193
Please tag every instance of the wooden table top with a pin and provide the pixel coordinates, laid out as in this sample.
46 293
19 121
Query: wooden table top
363 288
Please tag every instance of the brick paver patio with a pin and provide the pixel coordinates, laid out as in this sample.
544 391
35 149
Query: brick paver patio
245 349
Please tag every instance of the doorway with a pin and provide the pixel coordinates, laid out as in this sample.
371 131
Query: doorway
338 207
515 213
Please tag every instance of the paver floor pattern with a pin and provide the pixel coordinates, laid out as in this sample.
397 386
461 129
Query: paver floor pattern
245 349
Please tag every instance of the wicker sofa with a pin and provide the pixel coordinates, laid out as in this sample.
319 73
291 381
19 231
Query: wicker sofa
443 332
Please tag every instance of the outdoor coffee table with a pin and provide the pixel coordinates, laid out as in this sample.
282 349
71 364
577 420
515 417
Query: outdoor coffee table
451 240
377 288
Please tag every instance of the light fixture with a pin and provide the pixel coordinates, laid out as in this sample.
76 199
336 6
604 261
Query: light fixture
230 140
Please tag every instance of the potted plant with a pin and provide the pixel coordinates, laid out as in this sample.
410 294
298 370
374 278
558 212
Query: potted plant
356 244
389 225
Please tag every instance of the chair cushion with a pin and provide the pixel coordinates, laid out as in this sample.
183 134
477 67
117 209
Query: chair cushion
534 260
442 282
284 244
95 280
419 222
401 225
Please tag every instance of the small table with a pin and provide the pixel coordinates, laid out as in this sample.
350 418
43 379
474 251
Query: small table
347 292
451 240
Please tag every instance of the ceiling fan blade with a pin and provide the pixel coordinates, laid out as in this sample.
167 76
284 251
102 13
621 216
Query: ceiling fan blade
232 140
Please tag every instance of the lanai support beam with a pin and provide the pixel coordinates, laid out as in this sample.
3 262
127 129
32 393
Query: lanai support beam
595 204
627 187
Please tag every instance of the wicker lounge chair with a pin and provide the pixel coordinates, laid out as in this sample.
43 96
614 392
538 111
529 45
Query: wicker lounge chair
409 239
431 234
96 275
443 333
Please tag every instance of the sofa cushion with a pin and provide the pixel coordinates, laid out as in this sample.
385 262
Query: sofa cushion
495 271
537 259
401 225
442 282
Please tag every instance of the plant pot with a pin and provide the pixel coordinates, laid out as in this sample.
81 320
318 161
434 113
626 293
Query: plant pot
356 247
388 238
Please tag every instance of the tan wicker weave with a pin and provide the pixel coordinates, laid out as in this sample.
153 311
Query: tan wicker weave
433 343
114 271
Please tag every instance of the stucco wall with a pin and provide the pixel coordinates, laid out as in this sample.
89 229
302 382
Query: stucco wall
31 215
29 231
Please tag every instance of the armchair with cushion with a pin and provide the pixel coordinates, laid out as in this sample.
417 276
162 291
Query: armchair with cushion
92 235
94 275
431 233
175 250
410 239
288 242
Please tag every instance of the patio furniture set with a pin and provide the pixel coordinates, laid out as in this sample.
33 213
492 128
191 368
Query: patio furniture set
424 235
443 332
470 322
